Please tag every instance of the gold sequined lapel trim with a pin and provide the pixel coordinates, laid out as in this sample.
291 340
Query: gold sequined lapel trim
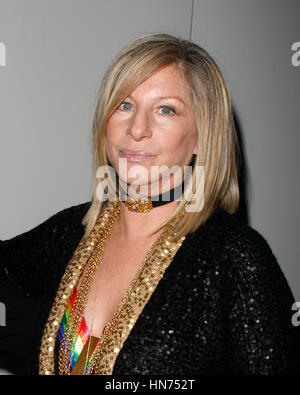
66 288
146 280
152 271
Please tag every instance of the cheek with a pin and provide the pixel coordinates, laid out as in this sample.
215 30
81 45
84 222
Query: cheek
179 145
110 128
108 141
111 136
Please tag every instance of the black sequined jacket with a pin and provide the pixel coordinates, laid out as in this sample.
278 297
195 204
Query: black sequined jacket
223 306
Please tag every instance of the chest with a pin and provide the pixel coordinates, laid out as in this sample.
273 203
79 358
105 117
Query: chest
116 271
177 312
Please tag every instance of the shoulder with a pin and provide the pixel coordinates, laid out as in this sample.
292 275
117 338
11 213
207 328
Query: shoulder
244 254
71 212
225 233
253 291
63 228
45 249
68 219
70 216
244 257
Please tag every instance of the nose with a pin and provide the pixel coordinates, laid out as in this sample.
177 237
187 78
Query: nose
139 125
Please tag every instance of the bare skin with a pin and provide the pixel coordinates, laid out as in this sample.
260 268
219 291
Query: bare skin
122 258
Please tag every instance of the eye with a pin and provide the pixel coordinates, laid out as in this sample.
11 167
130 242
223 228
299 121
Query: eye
125 106
166 111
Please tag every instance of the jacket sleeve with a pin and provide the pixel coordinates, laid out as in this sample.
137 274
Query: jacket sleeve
261 338
24 259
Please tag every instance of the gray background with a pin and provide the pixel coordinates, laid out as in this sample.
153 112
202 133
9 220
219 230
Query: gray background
56 54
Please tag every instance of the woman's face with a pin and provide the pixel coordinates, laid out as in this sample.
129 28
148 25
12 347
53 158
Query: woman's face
153 127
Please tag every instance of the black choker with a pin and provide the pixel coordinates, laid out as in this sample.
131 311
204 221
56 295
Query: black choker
145 204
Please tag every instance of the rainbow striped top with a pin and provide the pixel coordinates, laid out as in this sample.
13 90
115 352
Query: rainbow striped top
82 337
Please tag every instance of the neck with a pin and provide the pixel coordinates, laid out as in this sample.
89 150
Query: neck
132 226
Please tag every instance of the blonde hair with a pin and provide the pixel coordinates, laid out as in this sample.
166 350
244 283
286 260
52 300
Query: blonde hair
217 142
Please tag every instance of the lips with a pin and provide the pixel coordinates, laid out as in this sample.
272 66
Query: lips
135 156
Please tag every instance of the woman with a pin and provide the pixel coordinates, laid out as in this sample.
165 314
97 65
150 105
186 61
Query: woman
156 286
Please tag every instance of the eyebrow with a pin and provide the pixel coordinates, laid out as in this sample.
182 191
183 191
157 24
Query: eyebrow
172 97
165 98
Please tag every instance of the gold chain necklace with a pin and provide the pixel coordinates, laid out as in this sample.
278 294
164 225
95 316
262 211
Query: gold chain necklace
72 328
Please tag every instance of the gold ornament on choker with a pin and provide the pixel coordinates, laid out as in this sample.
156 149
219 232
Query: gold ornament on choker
143 205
